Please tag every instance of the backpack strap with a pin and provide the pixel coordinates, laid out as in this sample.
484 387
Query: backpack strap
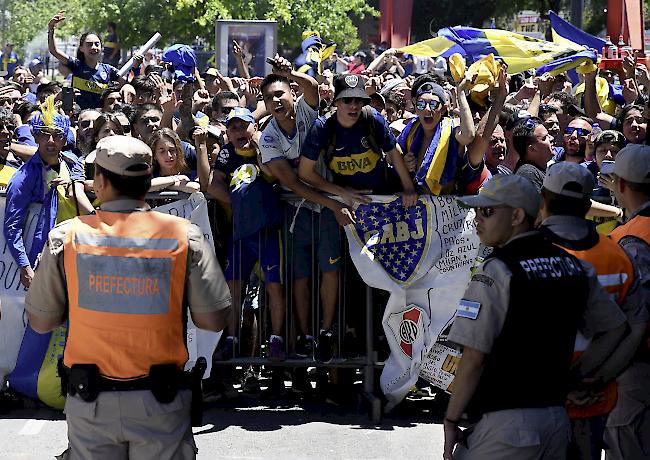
328 151
368 118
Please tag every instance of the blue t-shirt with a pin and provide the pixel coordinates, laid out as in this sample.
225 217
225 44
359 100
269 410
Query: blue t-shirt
354 164
190 155
90 82
30 97
255 202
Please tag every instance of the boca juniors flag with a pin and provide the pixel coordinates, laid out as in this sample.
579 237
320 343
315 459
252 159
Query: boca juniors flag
423 255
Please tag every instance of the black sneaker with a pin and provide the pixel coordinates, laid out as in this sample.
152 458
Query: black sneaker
325 347
251 382
227 348
300 380
350 346
304 346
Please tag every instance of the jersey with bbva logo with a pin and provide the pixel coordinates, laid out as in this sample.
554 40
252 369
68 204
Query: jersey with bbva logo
353 163
90 82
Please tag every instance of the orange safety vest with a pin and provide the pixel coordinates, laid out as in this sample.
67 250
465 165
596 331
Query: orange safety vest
616 274
639 227
126 284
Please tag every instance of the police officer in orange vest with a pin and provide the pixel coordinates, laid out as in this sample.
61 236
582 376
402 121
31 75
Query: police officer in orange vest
565 201
628 426
123 278
517 323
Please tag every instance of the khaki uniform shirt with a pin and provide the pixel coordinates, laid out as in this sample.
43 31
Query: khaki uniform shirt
205 287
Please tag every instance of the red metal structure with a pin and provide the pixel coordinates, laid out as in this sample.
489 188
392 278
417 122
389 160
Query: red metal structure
625 17
395 22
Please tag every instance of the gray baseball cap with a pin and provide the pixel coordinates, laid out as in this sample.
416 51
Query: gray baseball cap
123 155
510 190
569 179
633 163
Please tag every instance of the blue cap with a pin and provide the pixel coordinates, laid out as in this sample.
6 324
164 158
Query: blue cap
242 113
183 58
34 62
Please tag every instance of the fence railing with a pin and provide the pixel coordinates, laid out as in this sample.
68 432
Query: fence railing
358 307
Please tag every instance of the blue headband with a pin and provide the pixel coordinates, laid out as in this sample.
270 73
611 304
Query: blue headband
59 122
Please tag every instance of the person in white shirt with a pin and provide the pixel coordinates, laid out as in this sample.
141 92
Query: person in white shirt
280 146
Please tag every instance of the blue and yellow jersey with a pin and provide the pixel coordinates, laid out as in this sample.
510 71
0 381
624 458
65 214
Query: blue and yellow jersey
353 163
112 42
90 82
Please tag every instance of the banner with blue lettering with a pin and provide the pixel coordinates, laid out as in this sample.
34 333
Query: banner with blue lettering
423 255
29 359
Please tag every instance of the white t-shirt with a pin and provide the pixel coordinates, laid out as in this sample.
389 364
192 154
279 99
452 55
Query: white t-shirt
275 144
420 64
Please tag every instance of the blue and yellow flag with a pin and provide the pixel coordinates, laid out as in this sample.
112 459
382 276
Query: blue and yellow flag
314 52
518 51
566 34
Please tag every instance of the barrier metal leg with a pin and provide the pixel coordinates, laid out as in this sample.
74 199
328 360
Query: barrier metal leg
369 369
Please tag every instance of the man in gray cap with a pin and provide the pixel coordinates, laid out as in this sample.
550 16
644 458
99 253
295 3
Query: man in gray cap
122 277
628 426
566 199
512 379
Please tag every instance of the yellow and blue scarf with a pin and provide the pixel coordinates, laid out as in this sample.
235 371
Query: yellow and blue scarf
438 168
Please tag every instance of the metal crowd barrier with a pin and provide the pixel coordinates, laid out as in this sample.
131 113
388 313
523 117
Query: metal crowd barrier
355 307
349 299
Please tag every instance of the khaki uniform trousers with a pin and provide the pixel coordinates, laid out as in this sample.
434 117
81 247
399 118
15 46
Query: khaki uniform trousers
121 425
627 435
518 434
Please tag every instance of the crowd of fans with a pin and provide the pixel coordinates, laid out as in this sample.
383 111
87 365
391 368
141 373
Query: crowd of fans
370 123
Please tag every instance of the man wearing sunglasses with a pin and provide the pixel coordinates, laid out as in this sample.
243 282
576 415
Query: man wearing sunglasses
576 140
517 322
345 141
532 142
565 202
38 181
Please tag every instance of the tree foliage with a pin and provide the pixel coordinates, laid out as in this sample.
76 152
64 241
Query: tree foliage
24 20
180 21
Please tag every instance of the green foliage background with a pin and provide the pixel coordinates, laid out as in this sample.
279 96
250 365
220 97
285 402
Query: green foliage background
180 21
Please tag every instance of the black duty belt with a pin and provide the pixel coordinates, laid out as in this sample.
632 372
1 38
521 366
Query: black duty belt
164 381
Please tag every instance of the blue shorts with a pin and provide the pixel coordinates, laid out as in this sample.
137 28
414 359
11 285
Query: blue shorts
264 246
315 235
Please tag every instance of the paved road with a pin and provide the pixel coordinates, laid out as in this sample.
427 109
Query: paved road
256 428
